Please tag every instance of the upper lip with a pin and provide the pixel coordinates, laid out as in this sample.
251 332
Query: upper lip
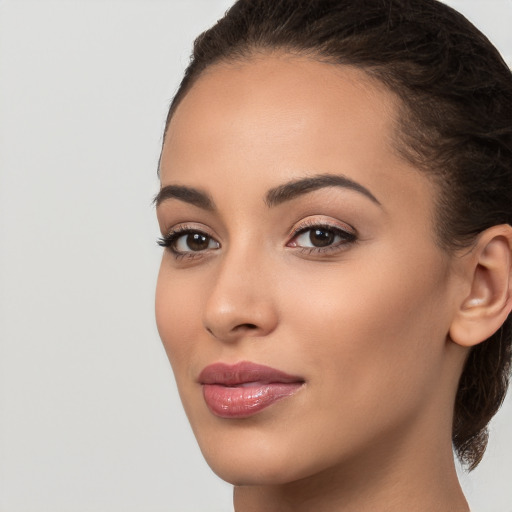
244 372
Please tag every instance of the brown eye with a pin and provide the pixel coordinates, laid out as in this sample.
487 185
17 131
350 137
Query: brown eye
321 237
192 241
187 241
197 241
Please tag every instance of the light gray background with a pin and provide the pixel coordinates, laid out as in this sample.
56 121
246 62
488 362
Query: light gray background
89 417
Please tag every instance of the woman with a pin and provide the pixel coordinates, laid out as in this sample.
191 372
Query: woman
336 208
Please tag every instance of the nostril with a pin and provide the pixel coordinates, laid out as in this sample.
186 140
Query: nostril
249 327
238 328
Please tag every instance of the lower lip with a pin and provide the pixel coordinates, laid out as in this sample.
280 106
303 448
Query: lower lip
245 400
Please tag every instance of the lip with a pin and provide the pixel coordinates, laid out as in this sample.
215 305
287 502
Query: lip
244 389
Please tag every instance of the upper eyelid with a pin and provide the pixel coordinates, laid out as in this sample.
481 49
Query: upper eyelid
170 236
298 228
307 224
185 227
344 233
169 240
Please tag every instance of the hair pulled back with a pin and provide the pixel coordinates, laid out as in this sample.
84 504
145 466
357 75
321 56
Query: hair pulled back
455 125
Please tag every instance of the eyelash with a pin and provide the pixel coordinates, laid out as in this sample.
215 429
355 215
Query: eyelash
168 241
346 238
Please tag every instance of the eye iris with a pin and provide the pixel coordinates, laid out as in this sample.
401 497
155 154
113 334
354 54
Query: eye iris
197 241
321 237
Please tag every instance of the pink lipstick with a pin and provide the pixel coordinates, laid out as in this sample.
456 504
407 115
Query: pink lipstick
244 389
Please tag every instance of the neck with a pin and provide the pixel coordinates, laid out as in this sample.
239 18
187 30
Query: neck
408 475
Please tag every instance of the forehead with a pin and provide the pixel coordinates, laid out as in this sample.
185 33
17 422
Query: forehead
273 118
278 96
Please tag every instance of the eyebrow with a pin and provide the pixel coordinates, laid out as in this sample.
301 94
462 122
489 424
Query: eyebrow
296 188
189 195
274 196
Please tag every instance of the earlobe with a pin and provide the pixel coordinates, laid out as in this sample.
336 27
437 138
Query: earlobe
485 308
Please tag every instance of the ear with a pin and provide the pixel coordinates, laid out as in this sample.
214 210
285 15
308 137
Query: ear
488 274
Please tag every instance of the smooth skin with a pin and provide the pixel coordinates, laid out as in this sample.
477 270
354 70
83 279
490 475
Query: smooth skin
362 310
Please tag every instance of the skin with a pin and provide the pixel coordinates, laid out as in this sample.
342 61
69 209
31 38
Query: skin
365 323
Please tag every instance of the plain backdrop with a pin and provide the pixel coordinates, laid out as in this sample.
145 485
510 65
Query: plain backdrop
89 416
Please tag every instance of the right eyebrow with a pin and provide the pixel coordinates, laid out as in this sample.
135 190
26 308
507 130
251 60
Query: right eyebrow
189 195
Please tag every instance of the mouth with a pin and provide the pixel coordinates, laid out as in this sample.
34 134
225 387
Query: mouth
244 389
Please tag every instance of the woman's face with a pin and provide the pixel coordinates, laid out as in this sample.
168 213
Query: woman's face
302 300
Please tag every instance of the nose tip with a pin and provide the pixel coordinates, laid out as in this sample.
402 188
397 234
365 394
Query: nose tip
230 325
237 309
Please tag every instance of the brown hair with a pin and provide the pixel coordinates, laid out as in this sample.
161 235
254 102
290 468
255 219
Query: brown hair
456 124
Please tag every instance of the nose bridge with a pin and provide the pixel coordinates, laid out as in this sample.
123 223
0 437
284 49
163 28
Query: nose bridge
240 301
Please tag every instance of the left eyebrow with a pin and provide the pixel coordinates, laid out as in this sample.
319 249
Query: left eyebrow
296 188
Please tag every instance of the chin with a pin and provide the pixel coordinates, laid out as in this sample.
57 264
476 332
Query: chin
254 469
242 461
248 456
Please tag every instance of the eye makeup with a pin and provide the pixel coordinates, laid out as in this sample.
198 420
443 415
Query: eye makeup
186 241
320 237
310 237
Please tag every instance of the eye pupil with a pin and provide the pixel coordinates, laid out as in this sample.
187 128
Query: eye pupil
197 241
321 237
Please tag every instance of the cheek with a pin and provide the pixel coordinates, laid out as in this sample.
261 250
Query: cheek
367 325
177 312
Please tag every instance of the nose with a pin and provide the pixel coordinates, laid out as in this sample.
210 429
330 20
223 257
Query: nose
240 302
